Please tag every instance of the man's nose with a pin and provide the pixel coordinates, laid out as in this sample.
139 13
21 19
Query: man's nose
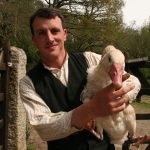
50 36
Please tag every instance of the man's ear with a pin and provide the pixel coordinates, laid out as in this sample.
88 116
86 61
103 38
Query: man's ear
65 34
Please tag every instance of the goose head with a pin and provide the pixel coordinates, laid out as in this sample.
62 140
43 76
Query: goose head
113 63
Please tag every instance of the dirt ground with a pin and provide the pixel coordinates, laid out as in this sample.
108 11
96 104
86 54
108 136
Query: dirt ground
143 128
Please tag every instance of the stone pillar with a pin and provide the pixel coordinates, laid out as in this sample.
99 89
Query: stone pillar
16 112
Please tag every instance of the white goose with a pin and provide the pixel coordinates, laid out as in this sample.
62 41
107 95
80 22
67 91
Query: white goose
110 70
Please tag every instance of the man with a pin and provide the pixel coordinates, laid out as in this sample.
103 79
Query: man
51 90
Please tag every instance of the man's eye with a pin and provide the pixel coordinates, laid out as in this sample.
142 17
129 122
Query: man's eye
55 31
41 33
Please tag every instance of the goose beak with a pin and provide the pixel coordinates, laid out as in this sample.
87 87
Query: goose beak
116 72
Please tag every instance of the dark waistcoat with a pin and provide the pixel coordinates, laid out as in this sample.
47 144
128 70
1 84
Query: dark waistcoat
61 98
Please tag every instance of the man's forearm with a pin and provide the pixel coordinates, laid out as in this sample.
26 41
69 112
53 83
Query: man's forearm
82 114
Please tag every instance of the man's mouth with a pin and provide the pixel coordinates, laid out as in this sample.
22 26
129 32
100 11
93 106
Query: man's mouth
51 46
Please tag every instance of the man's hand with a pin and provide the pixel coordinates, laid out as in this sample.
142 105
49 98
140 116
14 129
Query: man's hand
111 100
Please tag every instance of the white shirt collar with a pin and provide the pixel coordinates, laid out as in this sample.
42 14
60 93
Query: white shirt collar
61 74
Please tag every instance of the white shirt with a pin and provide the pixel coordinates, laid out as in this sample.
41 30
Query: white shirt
52 126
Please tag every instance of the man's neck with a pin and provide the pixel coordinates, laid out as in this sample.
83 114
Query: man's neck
56 62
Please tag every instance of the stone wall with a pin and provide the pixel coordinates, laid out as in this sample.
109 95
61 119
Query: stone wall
16 112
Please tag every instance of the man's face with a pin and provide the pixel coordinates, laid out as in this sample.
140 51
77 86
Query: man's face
49 37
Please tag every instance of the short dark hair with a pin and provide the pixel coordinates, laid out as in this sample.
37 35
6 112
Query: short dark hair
47 13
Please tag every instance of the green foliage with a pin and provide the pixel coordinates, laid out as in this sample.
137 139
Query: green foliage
135 42
91 24
146 73
95 26
14 25
24 41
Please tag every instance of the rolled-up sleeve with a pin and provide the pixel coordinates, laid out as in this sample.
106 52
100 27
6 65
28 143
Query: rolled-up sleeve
50 126
133 93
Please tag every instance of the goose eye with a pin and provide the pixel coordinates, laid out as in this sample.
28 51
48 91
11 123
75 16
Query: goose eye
109 59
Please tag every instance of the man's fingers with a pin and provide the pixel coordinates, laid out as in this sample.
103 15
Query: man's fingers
120 101
125 90
111 87
119 108
125 76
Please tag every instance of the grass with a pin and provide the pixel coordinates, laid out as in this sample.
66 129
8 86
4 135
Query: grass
31 147
143 105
